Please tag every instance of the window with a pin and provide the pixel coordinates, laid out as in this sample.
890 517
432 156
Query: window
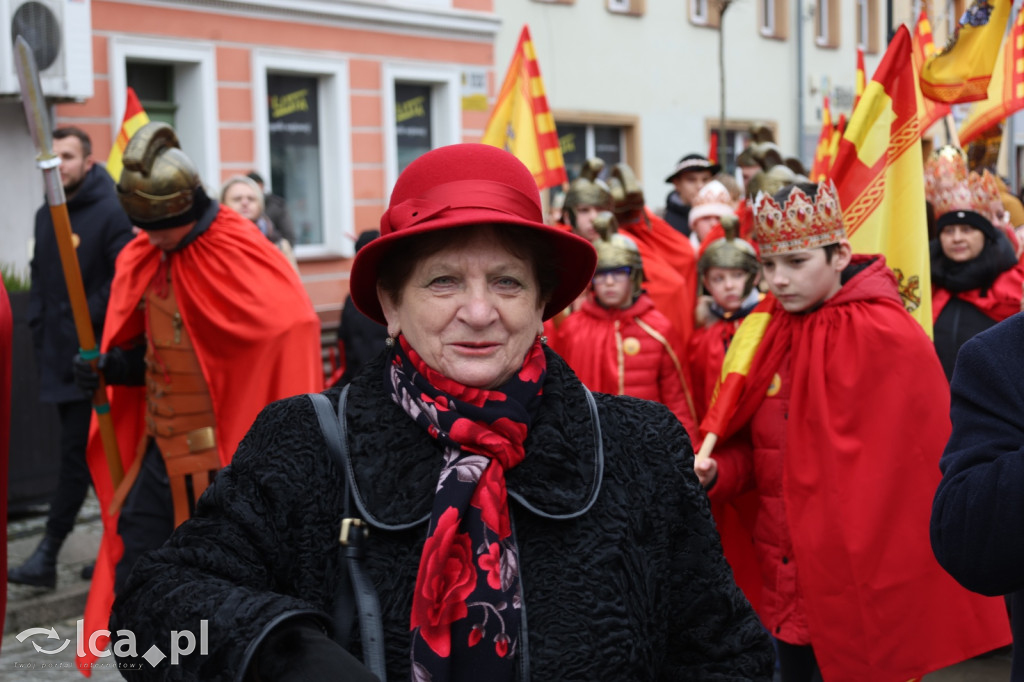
177 84
737 138
422 111
413 122
631 7
611 138
772 18
154 86
705 13
867 26
293 115
302 123
826 23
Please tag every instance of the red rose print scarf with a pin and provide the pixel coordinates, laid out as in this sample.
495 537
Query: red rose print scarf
467 605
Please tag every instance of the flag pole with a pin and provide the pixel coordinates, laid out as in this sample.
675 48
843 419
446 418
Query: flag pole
952 137
49 163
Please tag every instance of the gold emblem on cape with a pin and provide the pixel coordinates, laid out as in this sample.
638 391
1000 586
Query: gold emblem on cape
75 239
631 345
775 386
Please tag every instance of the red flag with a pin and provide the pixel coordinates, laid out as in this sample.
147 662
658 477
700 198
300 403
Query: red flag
861 77
134 118
521 121
822 160
1005 90
713 147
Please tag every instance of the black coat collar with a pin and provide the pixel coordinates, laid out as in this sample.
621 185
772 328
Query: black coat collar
396 464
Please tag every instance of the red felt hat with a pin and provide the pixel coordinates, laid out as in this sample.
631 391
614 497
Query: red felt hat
464 185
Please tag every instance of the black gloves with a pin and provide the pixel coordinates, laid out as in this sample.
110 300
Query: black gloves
298 650
119 366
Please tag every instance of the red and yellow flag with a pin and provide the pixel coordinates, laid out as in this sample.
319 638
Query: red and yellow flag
822 160
134 118
1005 90
928 110
862 78
879 174
962 70
521 122
833 140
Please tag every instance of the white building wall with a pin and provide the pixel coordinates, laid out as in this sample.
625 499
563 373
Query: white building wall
21 187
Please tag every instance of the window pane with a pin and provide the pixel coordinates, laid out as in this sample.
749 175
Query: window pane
572 138
413 122
294 115
608 144
154 86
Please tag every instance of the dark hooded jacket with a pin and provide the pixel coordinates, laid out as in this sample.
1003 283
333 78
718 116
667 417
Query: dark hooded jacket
621 567
102 229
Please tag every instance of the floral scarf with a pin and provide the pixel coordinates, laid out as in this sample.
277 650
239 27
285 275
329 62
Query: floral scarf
467 605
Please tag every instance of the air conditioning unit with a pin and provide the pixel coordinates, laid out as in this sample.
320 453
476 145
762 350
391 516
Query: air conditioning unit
60 35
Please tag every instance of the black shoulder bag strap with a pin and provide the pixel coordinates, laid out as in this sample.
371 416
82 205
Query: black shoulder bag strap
355 597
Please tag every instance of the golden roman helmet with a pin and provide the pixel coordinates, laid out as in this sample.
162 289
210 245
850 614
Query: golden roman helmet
616 250
771 181
730 252
587 190
627 195
159 184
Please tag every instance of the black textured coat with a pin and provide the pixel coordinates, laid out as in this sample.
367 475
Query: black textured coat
635 588
103 228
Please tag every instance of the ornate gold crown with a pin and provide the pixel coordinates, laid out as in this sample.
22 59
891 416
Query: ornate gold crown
799 224
950 187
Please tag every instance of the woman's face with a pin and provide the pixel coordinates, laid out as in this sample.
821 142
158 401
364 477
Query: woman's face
243 199
471 310
961 243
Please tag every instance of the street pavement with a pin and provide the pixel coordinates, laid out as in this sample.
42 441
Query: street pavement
61 609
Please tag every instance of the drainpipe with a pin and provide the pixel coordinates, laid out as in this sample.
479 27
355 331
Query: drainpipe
800 79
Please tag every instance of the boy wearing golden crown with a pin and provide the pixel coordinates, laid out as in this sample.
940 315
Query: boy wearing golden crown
839 427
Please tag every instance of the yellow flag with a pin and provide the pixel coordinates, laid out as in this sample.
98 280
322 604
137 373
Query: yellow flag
961 72
879 173
1005 90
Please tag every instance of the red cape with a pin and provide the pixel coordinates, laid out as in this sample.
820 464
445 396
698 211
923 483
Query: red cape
670 269
256 335
860 471
1000 301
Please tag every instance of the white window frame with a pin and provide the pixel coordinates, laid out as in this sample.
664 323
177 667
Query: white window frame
821 23
445 106
195 88
335 129
767 17
863 10
699 11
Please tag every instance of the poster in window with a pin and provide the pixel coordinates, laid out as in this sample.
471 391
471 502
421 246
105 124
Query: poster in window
413 122
294 126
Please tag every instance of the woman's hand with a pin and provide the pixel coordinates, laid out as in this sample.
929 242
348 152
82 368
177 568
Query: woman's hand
706 469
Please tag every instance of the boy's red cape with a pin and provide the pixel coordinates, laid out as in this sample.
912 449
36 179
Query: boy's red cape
257 338
864 439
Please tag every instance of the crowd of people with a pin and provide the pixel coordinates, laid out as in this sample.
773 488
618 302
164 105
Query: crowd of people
700 442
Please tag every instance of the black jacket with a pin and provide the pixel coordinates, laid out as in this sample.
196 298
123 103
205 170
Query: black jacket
977 524
677 214
102 228
632 588
359 338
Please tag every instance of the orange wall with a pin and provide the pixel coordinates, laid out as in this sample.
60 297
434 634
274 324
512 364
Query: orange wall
235 37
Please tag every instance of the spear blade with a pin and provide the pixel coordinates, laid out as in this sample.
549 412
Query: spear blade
34 101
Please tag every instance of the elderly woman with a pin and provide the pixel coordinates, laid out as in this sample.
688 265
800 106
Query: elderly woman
518 526
244 196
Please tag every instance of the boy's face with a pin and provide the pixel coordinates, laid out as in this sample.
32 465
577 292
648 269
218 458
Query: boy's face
726 285
613 288
803 280
585 216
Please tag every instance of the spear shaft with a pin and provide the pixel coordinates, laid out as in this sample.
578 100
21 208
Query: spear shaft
49 163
